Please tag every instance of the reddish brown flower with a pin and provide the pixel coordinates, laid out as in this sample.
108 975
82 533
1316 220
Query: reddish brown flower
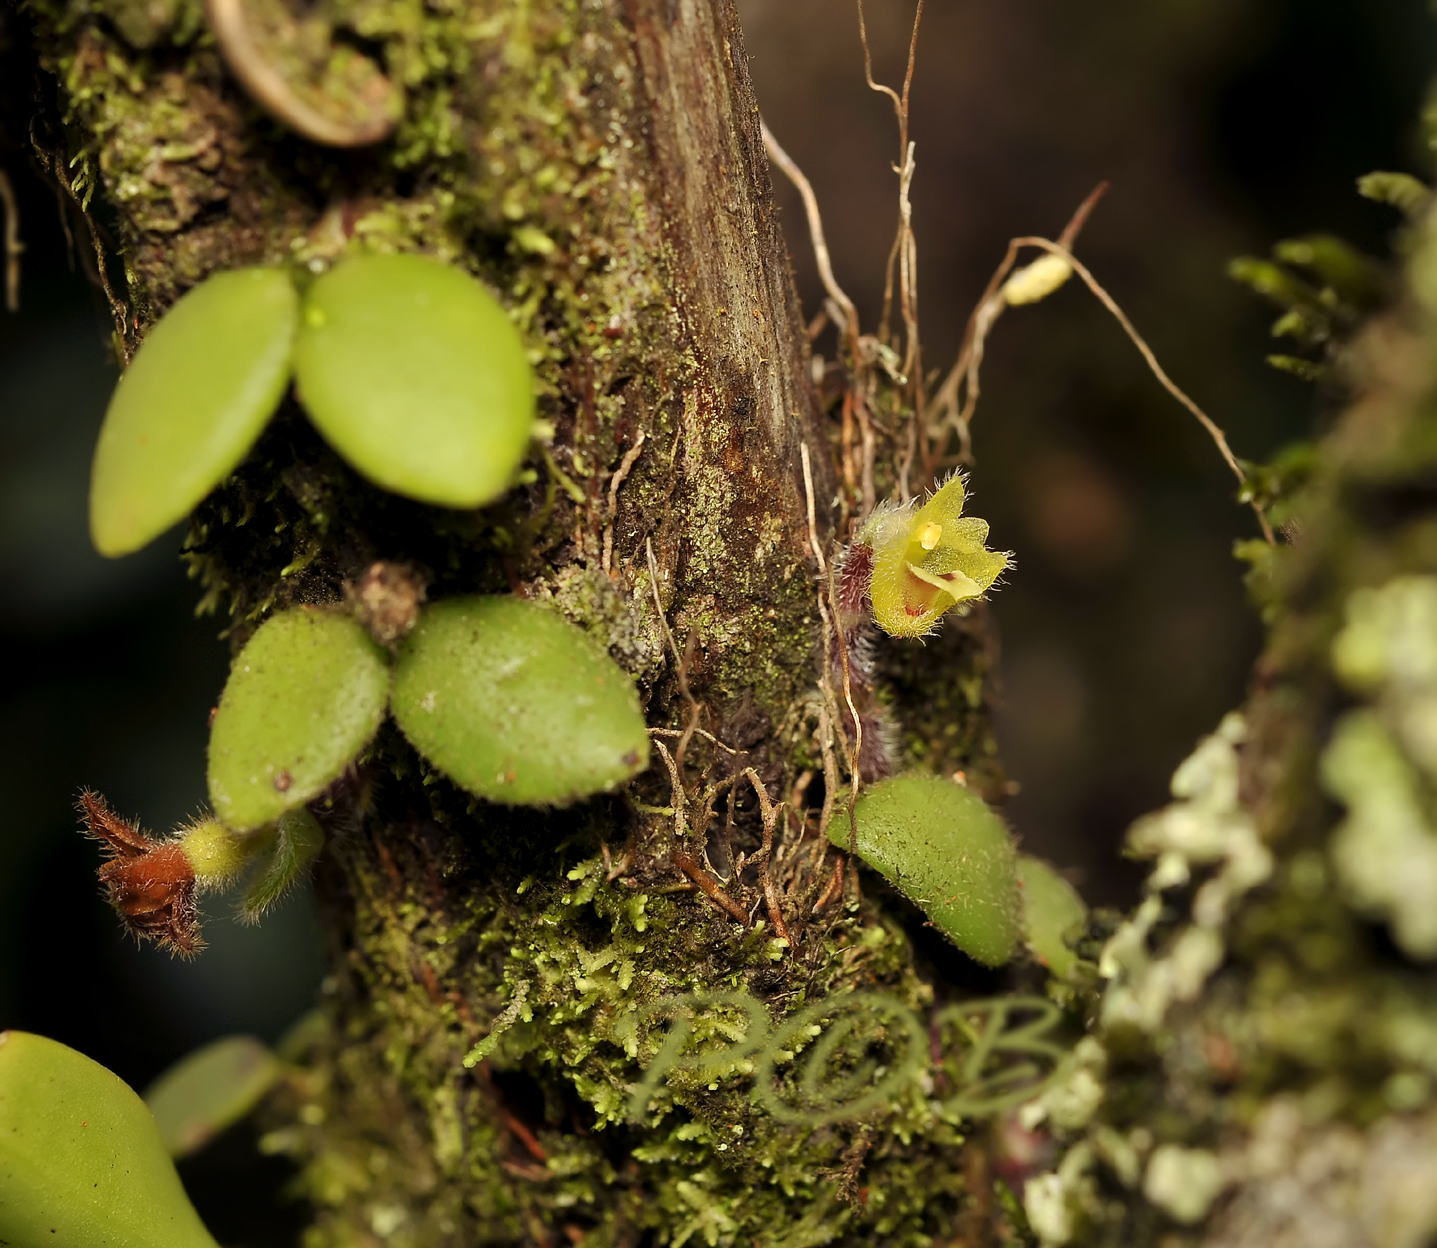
150 883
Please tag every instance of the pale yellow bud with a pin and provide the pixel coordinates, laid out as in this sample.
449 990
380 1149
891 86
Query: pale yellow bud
1037 280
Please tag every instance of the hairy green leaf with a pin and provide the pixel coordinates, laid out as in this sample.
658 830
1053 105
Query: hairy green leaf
516 704
303 698
947 852
1051 908
414 373
82 1163
194 399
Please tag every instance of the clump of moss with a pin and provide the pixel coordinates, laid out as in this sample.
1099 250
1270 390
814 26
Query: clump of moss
548 964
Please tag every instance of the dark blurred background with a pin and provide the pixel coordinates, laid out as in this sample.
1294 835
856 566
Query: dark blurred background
1223 125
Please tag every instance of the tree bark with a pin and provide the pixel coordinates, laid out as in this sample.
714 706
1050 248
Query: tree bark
599 165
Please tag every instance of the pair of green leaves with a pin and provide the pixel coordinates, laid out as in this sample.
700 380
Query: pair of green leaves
509 700
945 850
408 367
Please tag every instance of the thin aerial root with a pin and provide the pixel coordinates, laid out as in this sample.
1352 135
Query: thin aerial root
619 477
834 887
1151 360
710 887
770 821
698 732
857 749
812 513
867 491
815 232
681 669
964 375
13 247
678 799
1070 233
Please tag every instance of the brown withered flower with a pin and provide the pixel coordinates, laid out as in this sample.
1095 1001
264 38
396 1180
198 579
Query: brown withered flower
386 600
150 883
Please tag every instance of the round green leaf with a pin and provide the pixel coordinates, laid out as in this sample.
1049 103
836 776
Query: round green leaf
194 399
414 373
1051 908
947 852
302 699
82 1164
209 1090
516 704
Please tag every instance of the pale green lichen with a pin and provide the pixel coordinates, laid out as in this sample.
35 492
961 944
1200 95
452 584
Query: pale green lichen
1381 762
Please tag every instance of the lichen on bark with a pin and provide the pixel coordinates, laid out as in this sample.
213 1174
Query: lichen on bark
598 165
1262 1070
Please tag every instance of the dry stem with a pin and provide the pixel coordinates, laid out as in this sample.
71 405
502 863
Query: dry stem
13 247
770 820
711 888
681 660
784 161
1151 360
619 477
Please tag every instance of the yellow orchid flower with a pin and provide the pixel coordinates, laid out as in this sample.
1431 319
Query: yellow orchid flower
928 559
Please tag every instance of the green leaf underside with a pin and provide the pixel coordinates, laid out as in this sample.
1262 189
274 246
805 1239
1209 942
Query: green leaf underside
947 852
302 700
191 404
1051 907
82 1163
413 372
515 704
209 1090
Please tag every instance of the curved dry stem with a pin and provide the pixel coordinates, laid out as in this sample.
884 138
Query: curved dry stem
12 247
815 230
965 371
1151 360
272 91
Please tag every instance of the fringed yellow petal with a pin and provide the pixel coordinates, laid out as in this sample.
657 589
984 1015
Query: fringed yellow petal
926 560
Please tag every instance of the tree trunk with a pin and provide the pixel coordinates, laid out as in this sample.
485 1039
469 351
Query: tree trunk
598 164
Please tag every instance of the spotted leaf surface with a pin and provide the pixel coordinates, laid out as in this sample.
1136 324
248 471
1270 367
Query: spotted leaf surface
947 852
1051 909
191 404
928 559
516 704
82 1163
302 700
413 372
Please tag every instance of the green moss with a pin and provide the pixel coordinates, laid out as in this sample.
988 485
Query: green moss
582 955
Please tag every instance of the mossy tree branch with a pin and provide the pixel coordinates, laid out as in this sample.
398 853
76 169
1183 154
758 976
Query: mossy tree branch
599 165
